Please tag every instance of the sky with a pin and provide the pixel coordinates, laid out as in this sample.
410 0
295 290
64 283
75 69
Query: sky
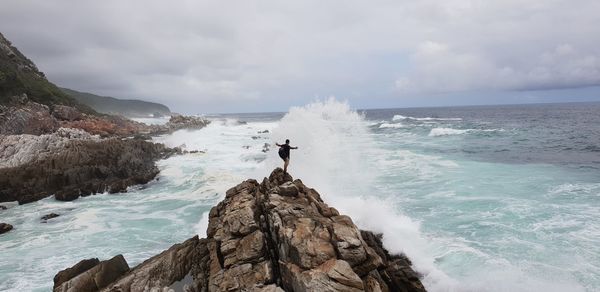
257 56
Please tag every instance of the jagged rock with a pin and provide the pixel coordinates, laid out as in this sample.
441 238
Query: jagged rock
69 273
66 113
5 227
80 168
17 150
332 275
96 278
288 189
49 216
261 240
177 122
30 118
64 195
161 270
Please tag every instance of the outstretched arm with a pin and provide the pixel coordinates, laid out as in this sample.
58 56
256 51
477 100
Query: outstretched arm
293 147
277 144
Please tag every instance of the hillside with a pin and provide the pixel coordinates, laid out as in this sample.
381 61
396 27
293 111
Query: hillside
19 75
124 107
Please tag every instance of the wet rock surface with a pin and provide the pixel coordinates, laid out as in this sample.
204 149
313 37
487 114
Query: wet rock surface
49 216
81 167
277 235
5 227
94 278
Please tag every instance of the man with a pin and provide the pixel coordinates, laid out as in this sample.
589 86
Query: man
284 153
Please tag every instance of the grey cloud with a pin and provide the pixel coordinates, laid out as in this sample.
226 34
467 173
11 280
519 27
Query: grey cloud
202 53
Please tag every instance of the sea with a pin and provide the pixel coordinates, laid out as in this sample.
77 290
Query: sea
480 198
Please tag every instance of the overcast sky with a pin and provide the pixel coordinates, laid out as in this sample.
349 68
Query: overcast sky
240 56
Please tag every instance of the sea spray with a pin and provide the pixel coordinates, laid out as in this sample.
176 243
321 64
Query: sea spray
335 157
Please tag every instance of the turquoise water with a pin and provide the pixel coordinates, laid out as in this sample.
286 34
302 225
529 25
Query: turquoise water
481 199
510 197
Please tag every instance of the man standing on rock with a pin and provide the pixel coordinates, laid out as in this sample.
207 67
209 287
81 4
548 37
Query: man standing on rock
284 153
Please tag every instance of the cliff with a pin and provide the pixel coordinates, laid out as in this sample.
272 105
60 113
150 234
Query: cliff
277 235
123 107
19 75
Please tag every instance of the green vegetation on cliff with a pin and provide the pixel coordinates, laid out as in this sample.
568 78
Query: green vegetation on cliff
111 105
19 75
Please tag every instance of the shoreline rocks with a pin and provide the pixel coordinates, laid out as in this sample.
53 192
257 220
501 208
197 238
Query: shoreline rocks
277 235
81 167
69 158
23 116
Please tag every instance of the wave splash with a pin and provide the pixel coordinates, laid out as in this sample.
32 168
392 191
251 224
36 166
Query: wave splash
335 156
339 156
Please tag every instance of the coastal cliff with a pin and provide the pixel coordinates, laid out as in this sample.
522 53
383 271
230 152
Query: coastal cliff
116 106
277 235
50 144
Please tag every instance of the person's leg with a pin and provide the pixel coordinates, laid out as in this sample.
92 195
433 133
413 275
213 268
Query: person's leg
285 164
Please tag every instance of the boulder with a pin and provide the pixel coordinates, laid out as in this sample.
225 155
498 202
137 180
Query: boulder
69 273
288 189
95 278
5 227
163 269
66 113
49 216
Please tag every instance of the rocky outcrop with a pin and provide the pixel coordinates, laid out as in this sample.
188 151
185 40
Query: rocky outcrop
16 150
278 235
80 167
94 278
178 122
72 272
5 227
26 117
23 116
164 269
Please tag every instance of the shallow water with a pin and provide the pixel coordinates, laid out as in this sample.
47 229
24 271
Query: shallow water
481 199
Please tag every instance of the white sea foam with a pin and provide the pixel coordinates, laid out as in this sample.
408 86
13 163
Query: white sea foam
436 132
388 125
401 117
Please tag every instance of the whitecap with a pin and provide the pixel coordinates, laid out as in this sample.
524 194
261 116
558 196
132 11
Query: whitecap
436 132
401 117
387 125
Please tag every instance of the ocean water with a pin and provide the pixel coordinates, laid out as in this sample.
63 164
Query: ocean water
496 198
